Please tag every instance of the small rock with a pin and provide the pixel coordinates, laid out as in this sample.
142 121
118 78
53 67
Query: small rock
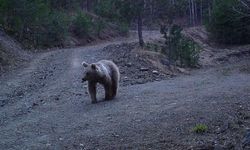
78 94
129 64
246 140
125 77
173 75
202 146
165 62
57 98
115 135
219 147
181 70
155 72
218 130
139 82
34 104
60 139
144 69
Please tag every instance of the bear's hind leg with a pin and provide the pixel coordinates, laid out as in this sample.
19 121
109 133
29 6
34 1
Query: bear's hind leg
92 91
108 92
114 89
115 82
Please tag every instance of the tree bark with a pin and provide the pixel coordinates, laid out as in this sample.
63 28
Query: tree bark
139 19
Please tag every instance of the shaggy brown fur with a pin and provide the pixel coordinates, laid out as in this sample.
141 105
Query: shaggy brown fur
104 72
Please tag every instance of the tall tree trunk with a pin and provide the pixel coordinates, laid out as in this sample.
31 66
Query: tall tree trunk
209 12
151 10
173 2
196 12
193 12
201 12
190 13
83 5
139 19
87 5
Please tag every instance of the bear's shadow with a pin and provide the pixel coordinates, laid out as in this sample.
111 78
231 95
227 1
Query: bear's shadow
103 100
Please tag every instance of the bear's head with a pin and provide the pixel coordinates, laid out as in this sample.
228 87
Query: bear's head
91 72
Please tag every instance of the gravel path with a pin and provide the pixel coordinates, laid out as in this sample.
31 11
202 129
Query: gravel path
45 106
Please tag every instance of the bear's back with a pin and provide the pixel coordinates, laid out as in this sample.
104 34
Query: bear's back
109 67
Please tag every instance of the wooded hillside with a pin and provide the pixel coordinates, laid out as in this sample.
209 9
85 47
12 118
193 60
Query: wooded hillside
49 23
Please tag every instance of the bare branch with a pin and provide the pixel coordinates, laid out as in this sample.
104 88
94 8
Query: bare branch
242 13
244 4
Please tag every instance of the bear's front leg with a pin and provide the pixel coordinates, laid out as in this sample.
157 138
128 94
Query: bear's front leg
92 91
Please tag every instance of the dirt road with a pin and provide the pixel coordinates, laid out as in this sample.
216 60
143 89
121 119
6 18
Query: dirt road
45 106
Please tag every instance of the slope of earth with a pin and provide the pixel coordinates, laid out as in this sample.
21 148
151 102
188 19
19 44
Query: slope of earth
11 53
213 54
138 66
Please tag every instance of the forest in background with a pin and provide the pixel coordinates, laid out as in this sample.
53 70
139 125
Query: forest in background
50 23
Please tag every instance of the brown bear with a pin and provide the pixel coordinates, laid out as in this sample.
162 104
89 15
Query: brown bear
104 72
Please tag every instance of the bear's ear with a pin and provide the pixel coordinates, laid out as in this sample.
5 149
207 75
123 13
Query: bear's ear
84 64
93 66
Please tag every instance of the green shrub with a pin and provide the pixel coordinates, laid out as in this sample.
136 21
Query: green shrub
106 9
53 30
200 128
155 47
64 4
116 10
123 28
82 25
227 25
18 16
189 52
44 23
99 26
179 48
33 23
